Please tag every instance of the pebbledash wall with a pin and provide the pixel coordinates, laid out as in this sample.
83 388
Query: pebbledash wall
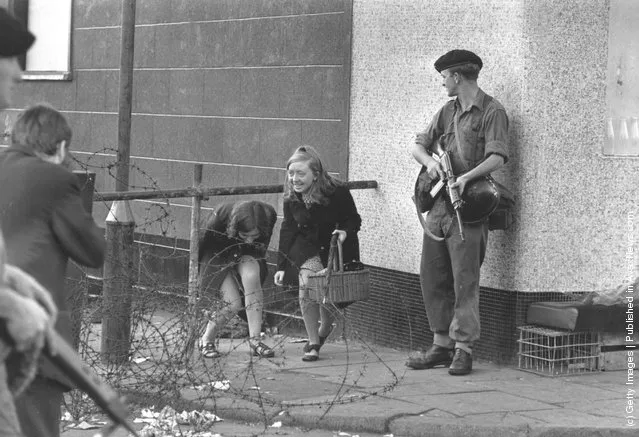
237 84
546 61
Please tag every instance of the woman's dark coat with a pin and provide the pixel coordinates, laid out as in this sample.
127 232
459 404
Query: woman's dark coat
307 232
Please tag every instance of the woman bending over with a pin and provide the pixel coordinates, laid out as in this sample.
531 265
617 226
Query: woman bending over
232 265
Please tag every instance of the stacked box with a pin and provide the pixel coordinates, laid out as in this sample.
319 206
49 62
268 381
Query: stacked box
552 352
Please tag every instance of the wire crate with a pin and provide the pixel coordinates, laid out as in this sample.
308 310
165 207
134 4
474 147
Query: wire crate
551 352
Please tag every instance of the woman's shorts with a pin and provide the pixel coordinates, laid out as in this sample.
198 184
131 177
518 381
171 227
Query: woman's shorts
232 270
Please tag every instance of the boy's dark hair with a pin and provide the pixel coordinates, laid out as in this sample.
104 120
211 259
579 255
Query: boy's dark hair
41 128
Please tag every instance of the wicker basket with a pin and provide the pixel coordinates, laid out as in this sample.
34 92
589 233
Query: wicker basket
336 285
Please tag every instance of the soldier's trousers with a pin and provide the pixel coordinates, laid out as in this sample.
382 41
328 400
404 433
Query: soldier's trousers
449 275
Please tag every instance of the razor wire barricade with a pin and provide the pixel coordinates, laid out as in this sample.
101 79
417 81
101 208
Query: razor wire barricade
120 219
140 334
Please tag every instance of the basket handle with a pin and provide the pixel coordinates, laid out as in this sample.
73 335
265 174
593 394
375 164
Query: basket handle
335 261
336 257
340 262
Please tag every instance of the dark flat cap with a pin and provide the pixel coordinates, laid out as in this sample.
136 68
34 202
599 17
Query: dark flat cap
455 58
15 39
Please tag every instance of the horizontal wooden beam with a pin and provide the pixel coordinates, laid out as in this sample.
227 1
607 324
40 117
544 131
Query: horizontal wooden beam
208 192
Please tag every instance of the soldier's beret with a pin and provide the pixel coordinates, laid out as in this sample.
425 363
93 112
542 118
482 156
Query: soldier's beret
455 58
15 39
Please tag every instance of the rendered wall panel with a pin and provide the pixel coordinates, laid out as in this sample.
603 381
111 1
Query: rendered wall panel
92 90
105 49
221 91
151 92
144 51
92 13
185 91
278 138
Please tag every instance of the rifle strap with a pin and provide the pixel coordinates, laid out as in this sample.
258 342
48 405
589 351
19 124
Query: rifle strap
422 222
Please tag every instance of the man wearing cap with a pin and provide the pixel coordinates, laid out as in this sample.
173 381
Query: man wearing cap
15 40
27 311
473 128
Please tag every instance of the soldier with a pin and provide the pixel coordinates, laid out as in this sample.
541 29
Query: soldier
473 128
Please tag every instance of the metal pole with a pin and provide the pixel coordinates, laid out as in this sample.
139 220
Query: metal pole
120 224
116 292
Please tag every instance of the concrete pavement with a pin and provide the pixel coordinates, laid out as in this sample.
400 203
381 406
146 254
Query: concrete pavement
357 388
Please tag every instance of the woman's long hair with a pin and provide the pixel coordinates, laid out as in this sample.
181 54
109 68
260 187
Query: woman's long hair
323 186
246 216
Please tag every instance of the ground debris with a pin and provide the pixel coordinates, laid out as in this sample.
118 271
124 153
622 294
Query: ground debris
168 422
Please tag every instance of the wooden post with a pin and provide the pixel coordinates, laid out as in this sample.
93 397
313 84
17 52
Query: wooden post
116 292
125 101
194 276
196 203
120 225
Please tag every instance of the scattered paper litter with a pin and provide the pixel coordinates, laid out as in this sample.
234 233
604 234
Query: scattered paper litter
148 415
216 385
86 425
277 424
140 360
298 340
167 422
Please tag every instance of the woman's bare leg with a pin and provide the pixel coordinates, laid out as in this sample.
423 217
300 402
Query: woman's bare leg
249 270
231 304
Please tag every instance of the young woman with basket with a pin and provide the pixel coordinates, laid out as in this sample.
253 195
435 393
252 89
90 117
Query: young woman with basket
316 206
233 265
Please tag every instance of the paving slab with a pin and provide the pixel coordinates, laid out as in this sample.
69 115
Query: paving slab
611 408
569 417
552 391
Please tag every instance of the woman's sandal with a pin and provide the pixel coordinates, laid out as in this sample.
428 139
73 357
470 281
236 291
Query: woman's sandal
208 350
311 352
263 351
